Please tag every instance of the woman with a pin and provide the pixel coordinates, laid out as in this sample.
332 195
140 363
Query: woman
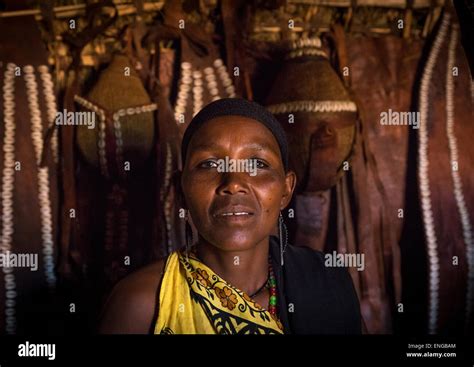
238 278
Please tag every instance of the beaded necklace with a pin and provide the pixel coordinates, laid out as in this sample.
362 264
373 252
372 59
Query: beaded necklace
269 284
272 302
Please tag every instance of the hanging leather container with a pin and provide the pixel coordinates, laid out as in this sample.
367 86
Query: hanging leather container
311 102
124 139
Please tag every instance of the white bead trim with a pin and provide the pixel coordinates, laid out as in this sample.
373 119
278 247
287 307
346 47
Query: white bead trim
306 42
305 52
313 106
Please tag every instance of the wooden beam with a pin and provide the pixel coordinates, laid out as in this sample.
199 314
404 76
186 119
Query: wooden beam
401 4
70 11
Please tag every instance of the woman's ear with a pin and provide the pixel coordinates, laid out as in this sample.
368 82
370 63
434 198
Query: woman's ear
290 184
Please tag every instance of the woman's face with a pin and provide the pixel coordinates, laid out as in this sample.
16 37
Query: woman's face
235 211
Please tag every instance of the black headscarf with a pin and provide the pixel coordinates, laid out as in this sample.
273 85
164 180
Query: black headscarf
237 107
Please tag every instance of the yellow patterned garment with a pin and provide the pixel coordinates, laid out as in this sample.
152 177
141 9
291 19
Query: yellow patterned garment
195 300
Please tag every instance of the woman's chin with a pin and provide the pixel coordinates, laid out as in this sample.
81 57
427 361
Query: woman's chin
230 243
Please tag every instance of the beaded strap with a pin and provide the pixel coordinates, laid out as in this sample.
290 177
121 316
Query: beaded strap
165 197
458 189
8 180
183 91
43 177
427 211
272 301
118 129
197 92
51 106
211 81
224 77
101 133
192 80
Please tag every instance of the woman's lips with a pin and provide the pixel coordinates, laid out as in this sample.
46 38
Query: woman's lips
234 214
234 217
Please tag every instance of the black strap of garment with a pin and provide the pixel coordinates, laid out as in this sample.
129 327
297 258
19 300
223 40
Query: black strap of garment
314 298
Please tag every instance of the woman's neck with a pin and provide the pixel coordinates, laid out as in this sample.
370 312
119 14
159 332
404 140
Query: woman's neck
246 270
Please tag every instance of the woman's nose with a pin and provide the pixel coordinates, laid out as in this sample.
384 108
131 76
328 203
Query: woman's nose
233 183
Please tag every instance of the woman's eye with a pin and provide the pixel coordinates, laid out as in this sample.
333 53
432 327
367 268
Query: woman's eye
208 164
260 163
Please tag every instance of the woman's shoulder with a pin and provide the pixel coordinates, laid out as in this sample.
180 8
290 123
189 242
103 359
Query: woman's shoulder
322 271
133 303
304 257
